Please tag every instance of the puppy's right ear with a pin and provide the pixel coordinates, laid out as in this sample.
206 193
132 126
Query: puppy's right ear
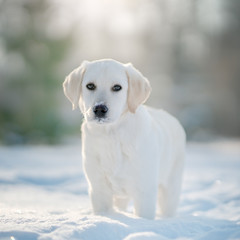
72 84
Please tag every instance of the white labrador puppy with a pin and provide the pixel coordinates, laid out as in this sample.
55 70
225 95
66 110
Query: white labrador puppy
129 151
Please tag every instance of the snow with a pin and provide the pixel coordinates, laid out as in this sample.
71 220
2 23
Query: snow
43 195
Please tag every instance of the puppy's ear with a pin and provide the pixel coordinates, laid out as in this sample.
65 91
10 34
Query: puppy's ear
72 84
139 87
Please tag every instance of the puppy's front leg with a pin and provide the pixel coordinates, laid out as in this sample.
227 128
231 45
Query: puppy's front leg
101 197
99 188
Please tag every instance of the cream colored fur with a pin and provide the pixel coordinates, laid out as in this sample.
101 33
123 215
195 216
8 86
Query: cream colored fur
135 152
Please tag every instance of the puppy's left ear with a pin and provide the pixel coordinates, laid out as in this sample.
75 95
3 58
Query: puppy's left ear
139 87
72 84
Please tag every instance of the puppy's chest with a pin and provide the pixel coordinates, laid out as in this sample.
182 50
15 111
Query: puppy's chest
114 160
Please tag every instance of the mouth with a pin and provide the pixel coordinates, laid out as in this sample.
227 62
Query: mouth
101 120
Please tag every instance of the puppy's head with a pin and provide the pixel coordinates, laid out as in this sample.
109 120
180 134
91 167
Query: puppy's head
105 89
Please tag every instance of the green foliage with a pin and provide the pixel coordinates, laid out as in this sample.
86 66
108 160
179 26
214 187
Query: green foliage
29 79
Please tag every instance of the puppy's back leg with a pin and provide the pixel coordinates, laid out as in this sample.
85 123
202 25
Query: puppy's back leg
145 202
168 196
121 203
167 202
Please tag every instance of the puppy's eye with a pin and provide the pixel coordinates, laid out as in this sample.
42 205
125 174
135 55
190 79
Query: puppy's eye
116 88
91 86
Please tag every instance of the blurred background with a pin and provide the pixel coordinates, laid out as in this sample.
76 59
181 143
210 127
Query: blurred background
188 49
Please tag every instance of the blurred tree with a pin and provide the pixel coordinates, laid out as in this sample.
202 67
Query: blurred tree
226 71
29 57
190 50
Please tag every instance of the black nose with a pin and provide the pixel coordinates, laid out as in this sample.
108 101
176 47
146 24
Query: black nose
100 110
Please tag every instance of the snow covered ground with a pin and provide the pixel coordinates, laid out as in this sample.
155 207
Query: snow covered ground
43 195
